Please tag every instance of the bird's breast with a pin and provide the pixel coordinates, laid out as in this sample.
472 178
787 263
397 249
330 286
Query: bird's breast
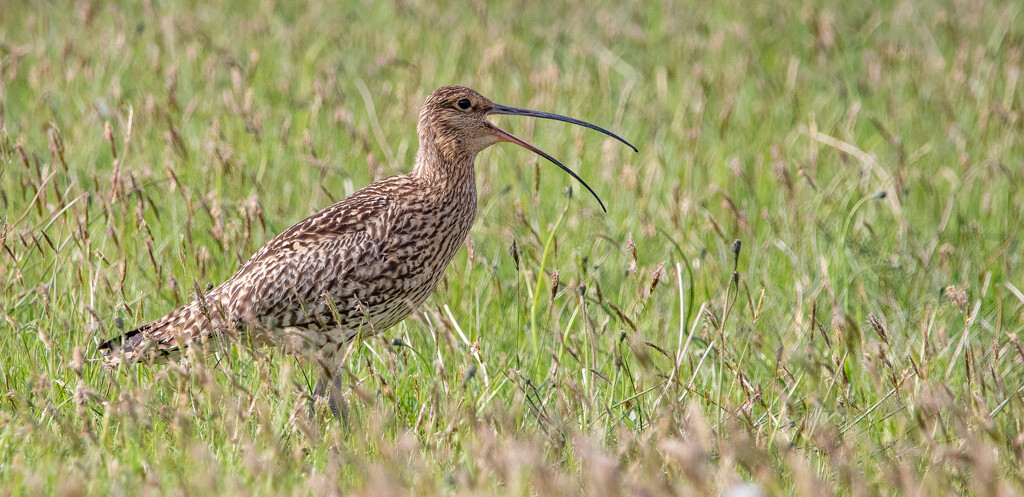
432 234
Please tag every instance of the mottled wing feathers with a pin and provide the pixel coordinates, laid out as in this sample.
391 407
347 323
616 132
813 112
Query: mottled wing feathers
285 282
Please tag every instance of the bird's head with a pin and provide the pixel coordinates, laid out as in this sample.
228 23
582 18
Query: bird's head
453 128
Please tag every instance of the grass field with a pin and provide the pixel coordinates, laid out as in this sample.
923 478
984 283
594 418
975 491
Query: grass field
862 340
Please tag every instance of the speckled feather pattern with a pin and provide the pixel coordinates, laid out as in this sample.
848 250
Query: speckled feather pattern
359 266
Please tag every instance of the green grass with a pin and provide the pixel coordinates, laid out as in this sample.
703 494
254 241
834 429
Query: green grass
865 344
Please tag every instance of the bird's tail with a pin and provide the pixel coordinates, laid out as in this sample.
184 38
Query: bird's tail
161 339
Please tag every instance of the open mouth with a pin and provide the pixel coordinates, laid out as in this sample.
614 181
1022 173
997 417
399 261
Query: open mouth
505 136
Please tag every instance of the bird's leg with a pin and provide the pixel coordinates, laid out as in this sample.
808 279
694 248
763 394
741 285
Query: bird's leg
330 388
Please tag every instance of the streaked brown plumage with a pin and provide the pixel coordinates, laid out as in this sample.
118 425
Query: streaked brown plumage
360 265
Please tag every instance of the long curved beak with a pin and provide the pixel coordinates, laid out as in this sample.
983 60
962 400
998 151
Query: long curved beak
505 136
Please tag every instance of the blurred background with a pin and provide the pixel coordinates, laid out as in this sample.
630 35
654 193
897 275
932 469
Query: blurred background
860 339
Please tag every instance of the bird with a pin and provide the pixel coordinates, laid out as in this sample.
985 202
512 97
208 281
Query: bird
359 266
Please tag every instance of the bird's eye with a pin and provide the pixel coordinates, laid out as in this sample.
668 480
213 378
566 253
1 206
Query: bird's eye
464 104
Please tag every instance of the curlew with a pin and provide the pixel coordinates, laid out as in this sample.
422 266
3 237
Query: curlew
359 266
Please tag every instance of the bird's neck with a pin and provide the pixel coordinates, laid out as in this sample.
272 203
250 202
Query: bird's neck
449 171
